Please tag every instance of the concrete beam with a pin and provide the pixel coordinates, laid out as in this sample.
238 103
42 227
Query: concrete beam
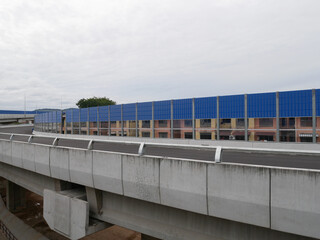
94 198
32 181
174 224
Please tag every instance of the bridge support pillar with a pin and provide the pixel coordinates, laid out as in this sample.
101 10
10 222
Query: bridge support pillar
94 198
16 197
147 237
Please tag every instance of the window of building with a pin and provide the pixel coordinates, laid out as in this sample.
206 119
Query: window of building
306 139
104 125
225 121
283 122
163 123
163 135
205 123
266 122
240 122
176 123
265 138
176 134
146 124
306 122
188 123
292 122
188 135
145 134
205 135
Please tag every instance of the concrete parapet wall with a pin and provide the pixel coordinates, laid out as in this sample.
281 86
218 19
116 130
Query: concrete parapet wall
183 185
17 153
28 158
295 202
141 178
107 172
81 167
6 153
42 159
239 193
59 163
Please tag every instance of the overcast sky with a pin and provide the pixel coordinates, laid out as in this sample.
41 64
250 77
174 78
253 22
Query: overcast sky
144 50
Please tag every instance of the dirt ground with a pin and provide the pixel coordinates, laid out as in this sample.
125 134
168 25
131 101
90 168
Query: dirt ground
32 216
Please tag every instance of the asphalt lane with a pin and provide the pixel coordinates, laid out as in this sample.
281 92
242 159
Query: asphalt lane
291 160
15 129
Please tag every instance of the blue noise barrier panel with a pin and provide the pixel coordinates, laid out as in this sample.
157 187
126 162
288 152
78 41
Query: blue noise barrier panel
262 105
50 117
231 106
129 112
182 109
318 103
115 113
59 115
83 114
295 103
162 110
69 115
103 114
93 114
75 115
205 108
145 111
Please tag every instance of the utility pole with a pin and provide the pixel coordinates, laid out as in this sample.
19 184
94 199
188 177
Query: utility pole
25 105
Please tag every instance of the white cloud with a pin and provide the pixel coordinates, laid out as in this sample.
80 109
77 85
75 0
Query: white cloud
150 50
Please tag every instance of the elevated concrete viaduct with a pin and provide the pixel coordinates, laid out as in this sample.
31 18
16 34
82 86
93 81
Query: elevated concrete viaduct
164 197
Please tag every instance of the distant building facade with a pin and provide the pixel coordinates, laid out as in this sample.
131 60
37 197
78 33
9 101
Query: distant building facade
292 116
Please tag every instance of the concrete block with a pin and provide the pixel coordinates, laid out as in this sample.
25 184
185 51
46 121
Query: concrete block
42 160
81 167
295 201
59 163
66 214
17 152
79 219
62 214
239 193
6 152
141 178
28 157
48 207
183 185
107 172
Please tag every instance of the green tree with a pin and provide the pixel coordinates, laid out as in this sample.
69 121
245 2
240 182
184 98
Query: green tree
94 102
